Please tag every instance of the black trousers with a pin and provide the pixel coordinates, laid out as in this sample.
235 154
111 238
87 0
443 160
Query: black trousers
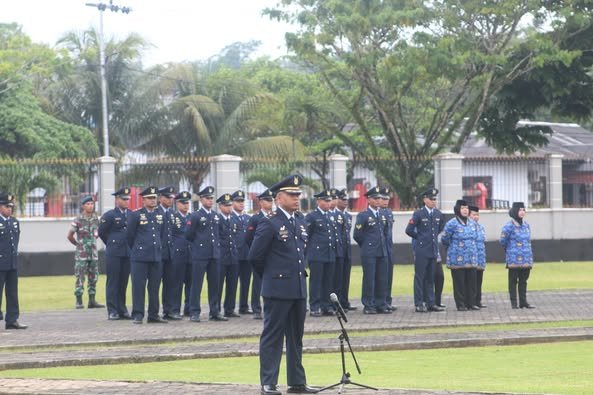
118 273
146 276
321 285
209 267
229 277
345 287
464 287
10 280
439 282
389 297
168 289
424 281
518 281
283 319
479 279
244 282
255 293
374 282
182 276
338 278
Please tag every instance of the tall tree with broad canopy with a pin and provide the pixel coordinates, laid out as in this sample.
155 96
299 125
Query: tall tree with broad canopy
424 72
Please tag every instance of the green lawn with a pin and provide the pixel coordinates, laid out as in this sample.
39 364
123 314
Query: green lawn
564 368
57 292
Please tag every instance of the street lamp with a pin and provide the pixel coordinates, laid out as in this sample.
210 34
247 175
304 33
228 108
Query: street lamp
114 8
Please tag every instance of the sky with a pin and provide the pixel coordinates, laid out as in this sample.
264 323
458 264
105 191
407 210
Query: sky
178 29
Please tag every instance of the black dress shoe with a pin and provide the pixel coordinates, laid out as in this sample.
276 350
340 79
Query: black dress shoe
474 308
194 318
482 306
315 313
15 325
352 308
257 316
113 317
369 311
435 308
328 313
384 311
173 317
421 309
302 389
514 306
218 317
157 320
232 314
442 306
137 321
125 316
392 308
270 390
243 311
462 308
528 306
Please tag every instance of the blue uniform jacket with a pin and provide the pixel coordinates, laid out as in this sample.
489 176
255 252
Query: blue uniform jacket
113 230
227 231
202 232
460 240
480 245
516 240
144 235
278 254
338 222
322 243
10 233
167 237
180 243
346 235
388 214
369 234
425 229
240 223
254 221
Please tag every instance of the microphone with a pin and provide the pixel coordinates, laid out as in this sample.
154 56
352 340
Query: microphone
334 298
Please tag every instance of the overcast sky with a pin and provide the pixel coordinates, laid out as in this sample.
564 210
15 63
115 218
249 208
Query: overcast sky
178 29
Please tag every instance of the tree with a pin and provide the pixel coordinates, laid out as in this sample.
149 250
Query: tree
423 73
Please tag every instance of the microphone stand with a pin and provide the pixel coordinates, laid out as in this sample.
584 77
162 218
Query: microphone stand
346 375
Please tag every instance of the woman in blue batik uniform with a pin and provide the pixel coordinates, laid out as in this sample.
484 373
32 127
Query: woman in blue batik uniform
516 240
459 236
474 215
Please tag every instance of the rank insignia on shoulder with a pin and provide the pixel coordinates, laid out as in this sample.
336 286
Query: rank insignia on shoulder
358 226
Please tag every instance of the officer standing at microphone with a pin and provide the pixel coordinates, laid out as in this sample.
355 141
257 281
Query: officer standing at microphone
278 255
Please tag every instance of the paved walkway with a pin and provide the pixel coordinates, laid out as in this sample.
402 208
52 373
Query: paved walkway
72 334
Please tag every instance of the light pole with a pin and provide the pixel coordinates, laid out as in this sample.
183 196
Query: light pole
114 8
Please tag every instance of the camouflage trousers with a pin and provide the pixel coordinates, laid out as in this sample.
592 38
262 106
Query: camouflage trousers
82 269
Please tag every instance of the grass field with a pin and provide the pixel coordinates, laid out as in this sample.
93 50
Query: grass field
564 368
57 292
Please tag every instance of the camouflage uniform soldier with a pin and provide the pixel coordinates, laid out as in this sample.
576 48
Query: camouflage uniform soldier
86 259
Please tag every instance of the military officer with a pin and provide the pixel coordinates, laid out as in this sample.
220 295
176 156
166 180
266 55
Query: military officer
369 233
387 218
266 203
145 228
10 232
344 282
86 257
181 254
113 232
165 208
338 222
278 255
321 255
229 255
202 233
240 221
425 226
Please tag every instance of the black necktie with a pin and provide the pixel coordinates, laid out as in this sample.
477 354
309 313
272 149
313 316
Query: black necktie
291 220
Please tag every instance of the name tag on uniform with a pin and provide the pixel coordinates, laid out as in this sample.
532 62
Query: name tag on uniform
283 233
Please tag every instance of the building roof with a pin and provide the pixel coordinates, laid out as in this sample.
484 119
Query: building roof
569 139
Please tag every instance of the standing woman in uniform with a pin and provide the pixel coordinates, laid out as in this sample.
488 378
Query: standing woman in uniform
459 236
474 215
516 240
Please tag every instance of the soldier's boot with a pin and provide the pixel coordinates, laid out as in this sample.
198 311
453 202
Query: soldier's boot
93 303
79 304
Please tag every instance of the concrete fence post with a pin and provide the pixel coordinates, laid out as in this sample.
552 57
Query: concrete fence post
225 173
448 174
554 165
106 166
338 171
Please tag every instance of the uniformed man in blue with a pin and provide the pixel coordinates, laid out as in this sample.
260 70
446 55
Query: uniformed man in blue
181 254
165 208
338 222
266 203
387 217
145 227
321 255
369 234
113 230
344 282
10 232
202 232
240 220
425 226
229 255
278 255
